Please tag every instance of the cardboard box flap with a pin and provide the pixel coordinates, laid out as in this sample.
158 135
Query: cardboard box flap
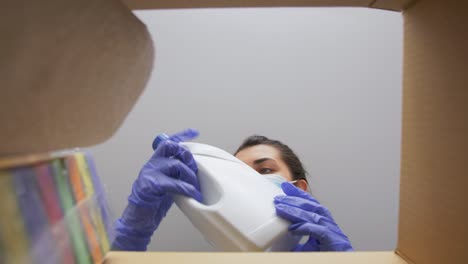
156 4
247 258
434 177
392 4
70 72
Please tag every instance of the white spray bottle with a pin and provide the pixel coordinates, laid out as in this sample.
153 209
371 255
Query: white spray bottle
237 213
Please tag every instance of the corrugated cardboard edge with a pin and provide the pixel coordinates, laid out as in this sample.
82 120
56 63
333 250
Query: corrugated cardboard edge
395 5
70 71
237 258
434 173
168 4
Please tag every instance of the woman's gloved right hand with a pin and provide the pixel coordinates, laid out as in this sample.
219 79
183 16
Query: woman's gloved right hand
171 170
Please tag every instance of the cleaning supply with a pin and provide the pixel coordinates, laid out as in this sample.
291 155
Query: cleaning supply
52 210
237 212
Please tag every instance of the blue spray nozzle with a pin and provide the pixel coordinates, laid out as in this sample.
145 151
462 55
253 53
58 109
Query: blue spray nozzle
160 138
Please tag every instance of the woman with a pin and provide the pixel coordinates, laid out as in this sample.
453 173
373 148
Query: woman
172 170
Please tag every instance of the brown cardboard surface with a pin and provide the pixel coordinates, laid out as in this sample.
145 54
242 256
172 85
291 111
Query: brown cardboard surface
391 4
247 258
157 4
433 224
70 71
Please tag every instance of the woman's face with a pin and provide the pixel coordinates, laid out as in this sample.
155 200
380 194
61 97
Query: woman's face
265 159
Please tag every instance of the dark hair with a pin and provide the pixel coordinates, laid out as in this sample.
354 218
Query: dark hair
289 157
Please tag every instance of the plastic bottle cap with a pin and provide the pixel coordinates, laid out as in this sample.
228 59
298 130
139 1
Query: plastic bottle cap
160 138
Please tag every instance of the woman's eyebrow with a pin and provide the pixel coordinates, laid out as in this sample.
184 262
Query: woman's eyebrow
256 162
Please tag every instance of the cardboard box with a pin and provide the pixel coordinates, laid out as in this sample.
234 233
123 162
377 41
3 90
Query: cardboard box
70 71
433 216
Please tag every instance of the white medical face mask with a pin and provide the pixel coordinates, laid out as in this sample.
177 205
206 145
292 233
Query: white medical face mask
277 179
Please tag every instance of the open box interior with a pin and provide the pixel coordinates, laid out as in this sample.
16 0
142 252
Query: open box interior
53 50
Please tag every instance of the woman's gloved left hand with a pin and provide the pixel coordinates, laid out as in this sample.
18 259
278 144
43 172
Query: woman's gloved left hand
309 218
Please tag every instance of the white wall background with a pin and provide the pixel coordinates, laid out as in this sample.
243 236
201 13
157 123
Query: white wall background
327 81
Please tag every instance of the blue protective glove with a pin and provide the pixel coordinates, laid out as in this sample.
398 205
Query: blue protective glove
309 218
171 170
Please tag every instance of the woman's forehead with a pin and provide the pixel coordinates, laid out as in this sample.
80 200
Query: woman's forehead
258 152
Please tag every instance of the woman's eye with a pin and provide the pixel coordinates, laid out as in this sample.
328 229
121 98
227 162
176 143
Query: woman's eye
265 171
